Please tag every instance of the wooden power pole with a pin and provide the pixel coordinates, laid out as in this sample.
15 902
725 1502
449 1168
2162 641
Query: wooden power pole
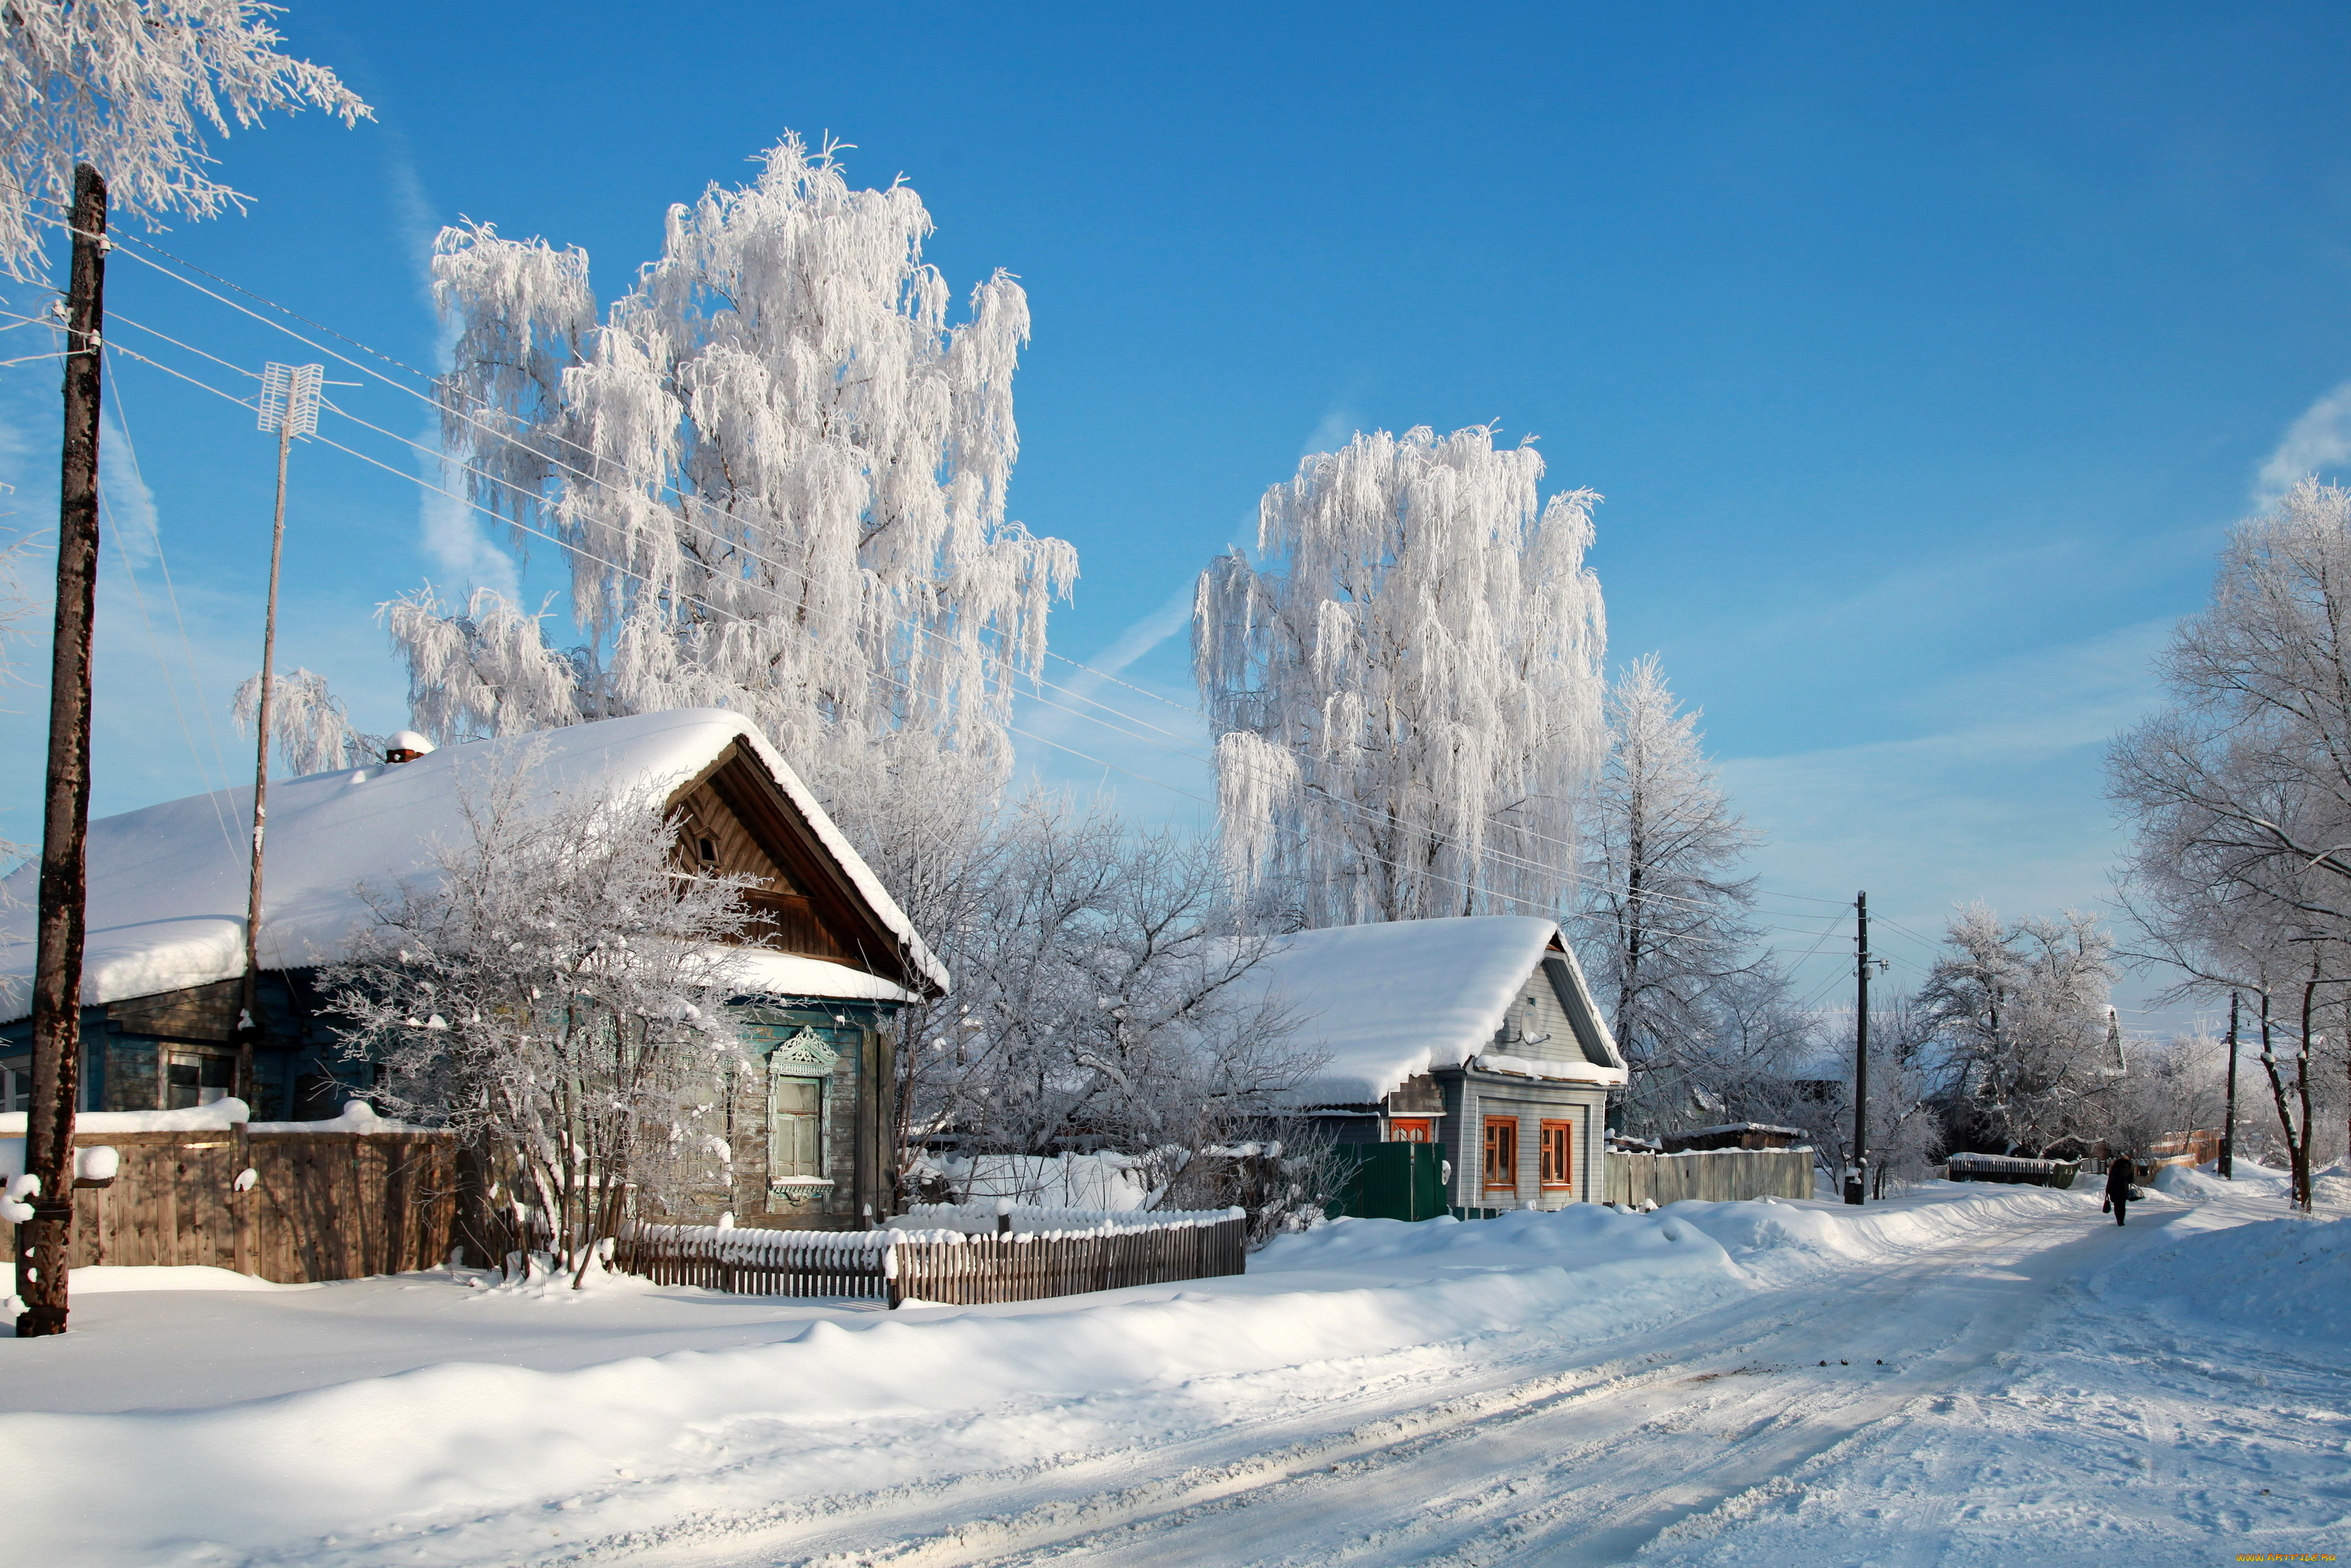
44 1241
1856 1181
289 407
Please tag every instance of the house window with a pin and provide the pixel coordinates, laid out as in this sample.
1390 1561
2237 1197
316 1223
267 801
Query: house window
795 1128
1502 1154
1412 1130
192 1078
1558 1152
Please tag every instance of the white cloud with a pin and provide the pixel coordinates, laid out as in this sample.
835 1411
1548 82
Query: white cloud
2317 441
2002 800
129 519
1338 427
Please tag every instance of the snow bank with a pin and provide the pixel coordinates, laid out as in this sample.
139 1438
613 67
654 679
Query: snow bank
386 1458
110 1277
358 1116
2280 1279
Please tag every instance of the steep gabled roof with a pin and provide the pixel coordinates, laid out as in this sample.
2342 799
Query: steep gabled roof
1391 1000
167 884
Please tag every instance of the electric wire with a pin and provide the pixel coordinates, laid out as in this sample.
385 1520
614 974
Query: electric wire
439 404
571 549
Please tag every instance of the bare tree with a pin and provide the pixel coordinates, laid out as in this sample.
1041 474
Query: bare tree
1663 917
2239 796
556 992
1100 1003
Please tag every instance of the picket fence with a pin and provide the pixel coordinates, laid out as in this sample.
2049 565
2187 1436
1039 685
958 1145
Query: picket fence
1713 1175
946 1266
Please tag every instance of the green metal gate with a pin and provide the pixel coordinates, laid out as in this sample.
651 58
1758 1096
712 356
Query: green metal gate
1391 1181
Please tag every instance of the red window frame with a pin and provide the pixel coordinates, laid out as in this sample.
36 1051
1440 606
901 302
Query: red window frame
1558 1156
1412 1130
1502 1154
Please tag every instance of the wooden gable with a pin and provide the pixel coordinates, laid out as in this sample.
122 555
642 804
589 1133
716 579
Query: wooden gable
736 820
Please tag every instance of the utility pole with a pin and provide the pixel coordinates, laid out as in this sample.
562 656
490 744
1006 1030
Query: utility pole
289 408
44 1241
2228 1130
1856 1176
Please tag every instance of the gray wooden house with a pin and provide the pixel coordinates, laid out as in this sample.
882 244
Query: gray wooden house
1475 1034
829 952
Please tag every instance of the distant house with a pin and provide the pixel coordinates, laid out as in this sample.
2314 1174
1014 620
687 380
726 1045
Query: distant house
1475 1034
830 955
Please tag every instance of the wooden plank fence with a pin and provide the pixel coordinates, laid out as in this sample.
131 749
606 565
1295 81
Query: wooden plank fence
322 1206
1713 1175
947 1266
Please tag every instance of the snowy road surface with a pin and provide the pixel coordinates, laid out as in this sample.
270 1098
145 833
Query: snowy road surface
1969 1375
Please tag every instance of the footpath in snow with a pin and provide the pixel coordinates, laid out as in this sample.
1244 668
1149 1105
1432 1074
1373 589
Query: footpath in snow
1714 1382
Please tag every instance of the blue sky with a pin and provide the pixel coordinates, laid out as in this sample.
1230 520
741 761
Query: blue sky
1922 354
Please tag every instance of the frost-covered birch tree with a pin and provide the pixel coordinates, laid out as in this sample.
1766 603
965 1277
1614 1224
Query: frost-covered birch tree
129 87
1663 909
555 994
309 728
2023 1011
1405 683
780 474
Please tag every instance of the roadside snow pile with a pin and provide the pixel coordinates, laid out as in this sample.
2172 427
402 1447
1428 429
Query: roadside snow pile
2285 1278
96 1278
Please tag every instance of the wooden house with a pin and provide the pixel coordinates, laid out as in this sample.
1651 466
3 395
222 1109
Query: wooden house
829 954
1476 1034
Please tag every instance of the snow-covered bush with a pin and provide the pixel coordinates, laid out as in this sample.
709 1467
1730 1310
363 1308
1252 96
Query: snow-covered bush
557 995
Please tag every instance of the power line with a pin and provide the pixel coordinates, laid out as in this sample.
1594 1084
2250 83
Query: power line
738 547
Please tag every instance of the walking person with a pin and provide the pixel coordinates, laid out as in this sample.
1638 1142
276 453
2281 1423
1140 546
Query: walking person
2121 1176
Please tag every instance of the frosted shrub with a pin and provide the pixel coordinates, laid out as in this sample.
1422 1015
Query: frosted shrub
557 994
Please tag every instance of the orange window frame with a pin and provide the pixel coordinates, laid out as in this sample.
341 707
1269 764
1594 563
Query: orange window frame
1558 1156
1412 1130
1502 1153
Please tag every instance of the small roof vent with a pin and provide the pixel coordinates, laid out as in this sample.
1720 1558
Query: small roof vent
406 746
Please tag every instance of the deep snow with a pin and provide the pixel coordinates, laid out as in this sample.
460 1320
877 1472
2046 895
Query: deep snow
1555 1385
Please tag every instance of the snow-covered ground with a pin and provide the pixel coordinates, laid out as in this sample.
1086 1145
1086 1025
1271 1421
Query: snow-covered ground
1966 1375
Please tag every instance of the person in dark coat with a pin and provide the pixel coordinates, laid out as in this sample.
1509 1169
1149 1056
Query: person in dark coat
2121 1176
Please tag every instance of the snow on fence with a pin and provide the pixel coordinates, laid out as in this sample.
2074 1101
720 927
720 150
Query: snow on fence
288 1204
989 1218
916 1260
1714 1175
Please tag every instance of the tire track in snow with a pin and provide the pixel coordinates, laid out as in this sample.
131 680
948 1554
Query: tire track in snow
1589 1493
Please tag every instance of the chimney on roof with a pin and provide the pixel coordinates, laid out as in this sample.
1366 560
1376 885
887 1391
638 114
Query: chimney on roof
406 746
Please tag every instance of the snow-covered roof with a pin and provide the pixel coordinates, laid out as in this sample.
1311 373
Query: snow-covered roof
1390 1001
167 884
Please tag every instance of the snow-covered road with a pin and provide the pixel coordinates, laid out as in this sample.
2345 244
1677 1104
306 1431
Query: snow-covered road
1968 1376
1670 1446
